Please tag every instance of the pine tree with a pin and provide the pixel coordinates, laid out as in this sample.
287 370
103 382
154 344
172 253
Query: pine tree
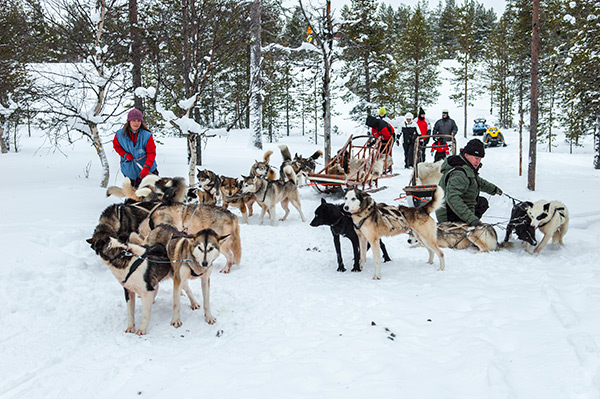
446 34
418 63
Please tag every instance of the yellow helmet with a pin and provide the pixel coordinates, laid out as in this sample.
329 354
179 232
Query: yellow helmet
381 111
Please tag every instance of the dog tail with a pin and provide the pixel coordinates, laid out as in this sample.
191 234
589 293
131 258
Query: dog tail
285 152
289 174
318 154
436 201
236 244
126 191
147 186
267 156
175 190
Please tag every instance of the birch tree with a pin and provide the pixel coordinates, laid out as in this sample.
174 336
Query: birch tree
256 75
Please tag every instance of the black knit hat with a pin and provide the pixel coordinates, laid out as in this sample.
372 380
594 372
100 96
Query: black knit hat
421 111
474 147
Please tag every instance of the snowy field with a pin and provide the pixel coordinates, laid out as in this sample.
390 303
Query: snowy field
505 324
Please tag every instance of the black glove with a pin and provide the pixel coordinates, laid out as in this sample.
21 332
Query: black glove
475 222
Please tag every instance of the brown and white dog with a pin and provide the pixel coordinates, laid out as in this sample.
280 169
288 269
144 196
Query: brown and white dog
231 193
271 192
375 220
552 219
208 188
193 257
263 169
462 236
190 219
153 188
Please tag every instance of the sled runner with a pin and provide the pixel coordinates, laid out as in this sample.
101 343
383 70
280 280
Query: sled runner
360 163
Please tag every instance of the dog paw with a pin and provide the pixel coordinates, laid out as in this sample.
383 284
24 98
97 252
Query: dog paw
141 332
176 323
376 277
195 306
356 269
210 319
130 329
225 270
341 269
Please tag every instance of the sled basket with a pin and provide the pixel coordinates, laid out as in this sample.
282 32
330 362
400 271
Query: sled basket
418 196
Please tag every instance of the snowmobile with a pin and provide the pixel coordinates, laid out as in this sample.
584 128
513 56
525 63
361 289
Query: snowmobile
493 137
479 127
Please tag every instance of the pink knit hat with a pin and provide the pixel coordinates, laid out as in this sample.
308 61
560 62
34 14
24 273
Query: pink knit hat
135 115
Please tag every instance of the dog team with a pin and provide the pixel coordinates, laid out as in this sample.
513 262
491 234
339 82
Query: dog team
166 230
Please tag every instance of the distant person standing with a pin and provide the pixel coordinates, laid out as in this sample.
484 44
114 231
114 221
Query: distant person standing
135 145
424 126
444 126
409 135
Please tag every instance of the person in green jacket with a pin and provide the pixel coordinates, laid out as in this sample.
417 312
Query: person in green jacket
462 185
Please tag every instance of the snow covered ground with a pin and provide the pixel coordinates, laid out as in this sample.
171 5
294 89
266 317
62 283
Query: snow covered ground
505 324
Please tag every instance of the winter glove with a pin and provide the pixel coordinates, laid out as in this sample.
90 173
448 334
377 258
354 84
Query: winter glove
475 222
498 191
128 156
144 172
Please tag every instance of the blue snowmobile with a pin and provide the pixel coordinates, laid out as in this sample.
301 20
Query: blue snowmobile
479 127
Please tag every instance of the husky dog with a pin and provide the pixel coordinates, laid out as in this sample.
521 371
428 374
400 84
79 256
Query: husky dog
138 269
193 257
303 166
373 221
231 192
520 223
270 192
428 172
153 188
190 219
262 168
208 190
462 236
340 222
124 219
552 219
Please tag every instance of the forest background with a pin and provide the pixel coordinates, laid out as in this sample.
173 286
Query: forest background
196 66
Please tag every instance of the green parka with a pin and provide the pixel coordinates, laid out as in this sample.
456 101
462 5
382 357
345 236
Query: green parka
461 189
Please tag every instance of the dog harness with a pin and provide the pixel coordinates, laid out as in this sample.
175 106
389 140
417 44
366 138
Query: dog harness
553 214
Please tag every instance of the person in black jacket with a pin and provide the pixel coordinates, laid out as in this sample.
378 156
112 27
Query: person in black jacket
444 126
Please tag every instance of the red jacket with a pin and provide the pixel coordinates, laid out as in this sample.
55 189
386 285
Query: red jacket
385 133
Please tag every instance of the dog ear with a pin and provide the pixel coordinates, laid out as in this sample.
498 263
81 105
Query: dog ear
529 203
546 206
323 202
223 238
91 241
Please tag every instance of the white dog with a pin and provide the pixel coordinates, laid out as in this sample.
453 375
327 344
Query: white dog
428 172
552 219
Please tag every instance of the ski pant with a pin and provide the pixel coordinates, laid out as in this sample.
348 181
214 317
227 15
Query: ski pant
481 207
409 153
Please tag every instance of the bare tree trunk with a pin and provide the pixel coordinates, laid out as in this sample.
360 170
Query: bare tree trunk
101 154
191 141
256 76
535 38
326 93
3 146
521 123
597 143
136 52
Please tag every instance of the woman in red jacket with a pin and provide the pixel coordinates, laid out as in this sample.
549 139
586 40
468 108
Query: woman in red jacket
135 145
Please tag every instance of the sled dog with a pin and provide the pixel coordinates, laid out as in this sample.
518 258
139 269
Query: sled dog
190 219
262 168
340 222
193 257
231 192
138 269
301 166
208 187
520 223
428 172
152 188
552 219
121 220
270 192
375 220
461 236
